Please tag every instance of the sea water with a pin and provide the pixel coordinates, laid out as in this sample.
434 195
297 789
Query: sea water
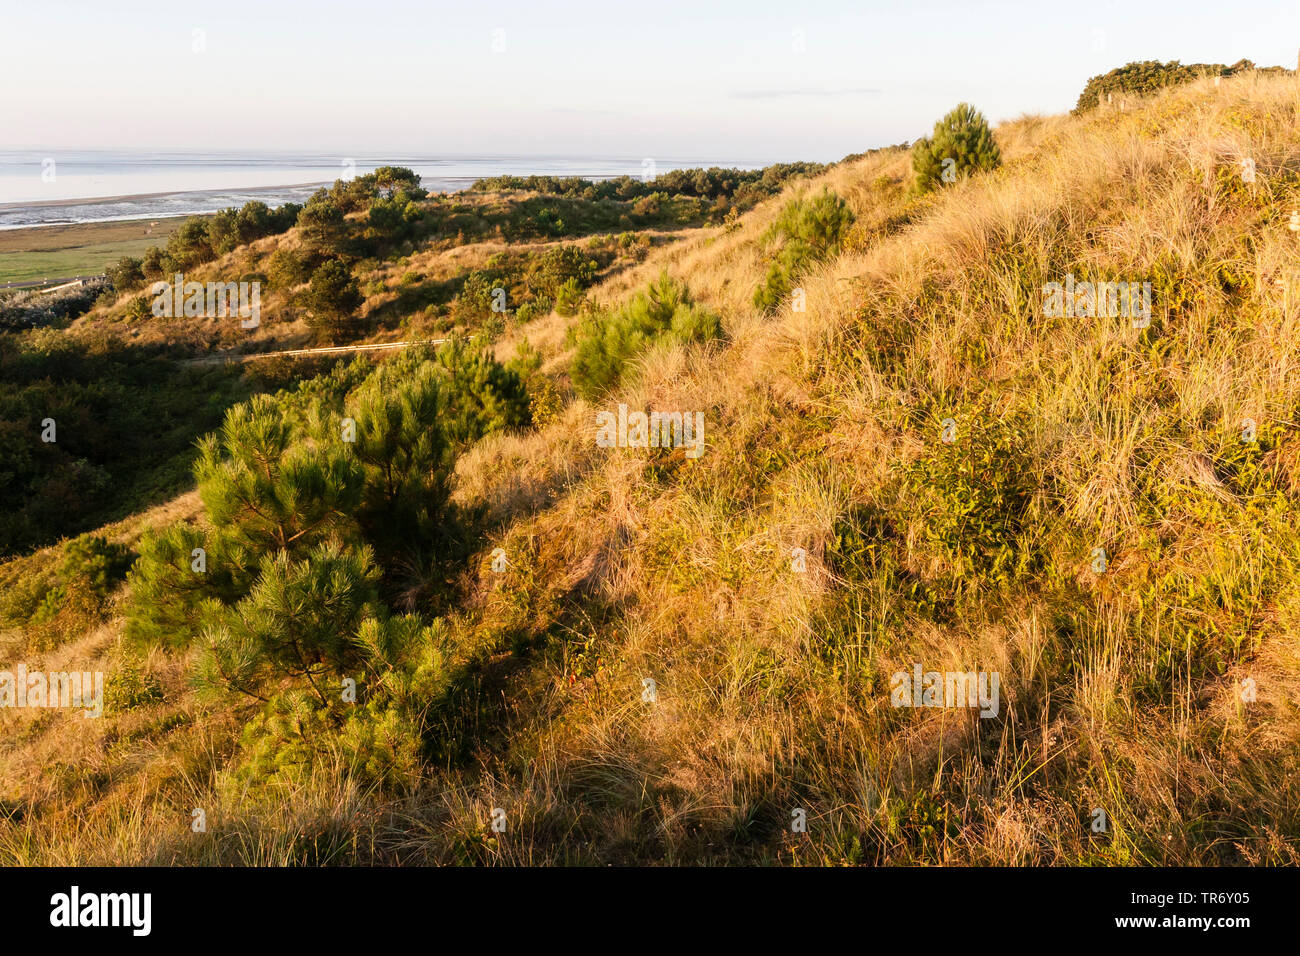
75 186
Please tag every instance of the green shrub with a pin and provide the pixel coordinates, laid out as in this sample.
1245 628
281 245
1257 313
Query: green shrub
151 263
286 269
394 218
90 571
223 234
808 230
1150 76
534 309
170 584
607 342
128 685
333 299
127 275
381 736
976 499
569 298
255 220
865 551
299 621
308 533
22 595
51 602
188 246
547 222
962 143
126 424
95 563
473 304
747 186
402 447
816 223
266 490
322 225
481 394
558 266
139 309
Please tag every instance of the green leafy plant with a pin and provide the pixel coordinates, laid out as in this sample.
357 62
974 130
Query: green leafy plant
129 685
975 498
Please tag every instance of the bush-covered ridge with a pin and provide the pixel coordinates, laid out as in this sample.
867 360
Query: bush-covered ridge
1150 76
744 186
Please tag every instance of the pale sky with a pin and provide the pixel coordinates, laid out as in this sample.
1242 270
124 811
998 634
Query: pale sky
727 78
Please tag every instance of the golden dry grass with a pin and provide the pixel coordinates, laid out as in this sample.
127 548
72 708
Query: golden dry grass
1120 691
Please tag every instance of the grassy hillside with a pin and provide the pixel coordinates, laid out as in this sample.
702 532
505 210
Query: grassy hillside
1158 686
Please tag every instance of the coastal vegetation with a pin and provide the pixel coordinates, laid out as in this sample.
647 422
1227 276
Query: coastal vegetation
363 608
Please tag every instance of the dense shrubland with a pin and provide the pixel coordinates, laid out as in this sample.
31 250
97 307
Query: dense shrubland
326 276
124 423
22 309
741 186
200 240
389 194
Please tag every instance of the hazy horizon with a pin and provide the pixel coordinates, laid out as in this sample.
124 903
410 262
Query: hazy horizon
815 82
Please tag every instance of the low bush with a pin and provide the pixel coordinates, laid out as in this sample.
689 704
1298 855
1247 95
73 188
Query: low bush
607 342
808 230
962 144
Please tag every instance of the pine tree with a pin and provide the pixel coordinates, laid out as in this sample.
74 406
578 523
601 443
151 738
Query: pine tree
322 225
962 143
403 449
268 492
481 394
170 585
808 230
333 299
300 620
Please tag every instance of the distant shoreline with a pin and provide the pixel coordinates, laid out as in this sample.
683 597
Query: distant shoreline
81 210
177 194
135 197
165 204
